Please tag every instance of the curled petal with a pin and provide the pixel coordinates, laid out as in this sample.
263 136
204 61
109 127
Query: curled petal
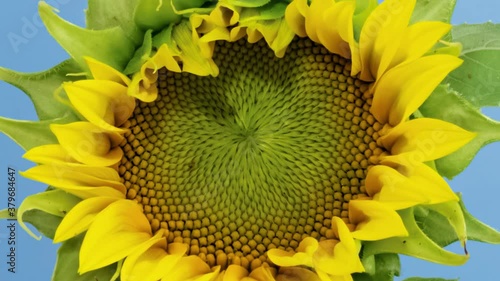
88 143
330 258
142 86
302 255
102 71
193 61
103 103
164 57
372 219
218 25
338 258
277 34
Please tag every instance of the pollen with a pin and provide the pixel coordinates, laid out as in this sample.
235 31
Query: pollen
259 157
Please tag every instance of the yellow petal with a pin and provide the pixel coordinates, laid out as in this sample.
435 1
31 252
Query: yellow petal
296 274
103 103
380 36
253 34
154 263
283 38
214 27
235 273
403 89
425 139
277 34
418 39
164 57
302 255
314 18
327 277
216 34
49 154
363 10
237 33
295 17
102 71
188 268
79 218
212 276
193 60
139 91
116 232
83 181
338 258
262 273
225 14
337 33
407 186
375 220
88 143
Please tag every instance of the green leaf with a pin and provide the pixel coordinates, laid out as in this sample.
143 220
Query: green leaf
248 3
447 105
165 37
22 132
381 267
147 15
109 14
478 79
45 223
157 15
363 9
439 229
432 10
41 86
141 55
271 11
435 226
478 231
454 215
67 264
54 202
5 214
429 279
110 46
417 244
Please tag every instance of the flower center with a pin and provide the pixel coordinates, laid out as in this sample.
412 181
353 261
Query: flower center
260 157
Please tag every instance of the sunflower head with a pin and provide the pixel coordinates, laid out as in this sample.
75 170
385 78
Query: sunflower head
249 140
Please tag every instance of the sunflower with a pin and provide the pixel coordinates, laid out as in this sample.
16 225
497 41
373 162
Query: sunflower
254 140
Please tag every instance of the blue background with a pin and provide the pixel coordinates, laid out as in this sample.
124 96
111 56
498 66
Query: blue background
35 259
